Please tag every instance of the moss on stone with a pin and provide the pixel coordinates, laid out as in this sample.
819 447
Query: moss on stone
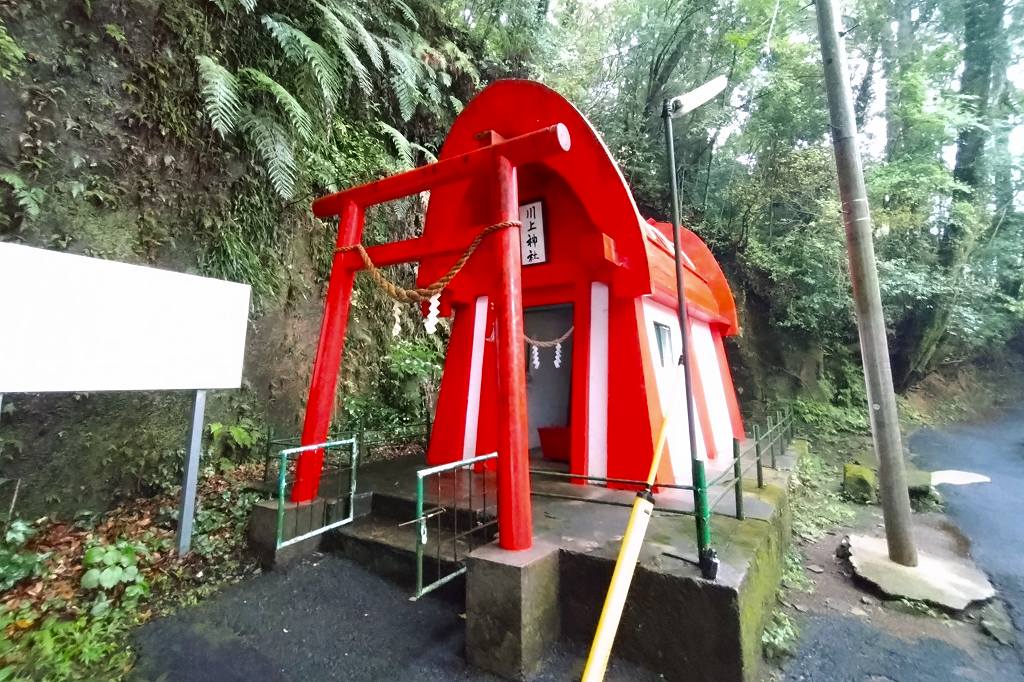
859 482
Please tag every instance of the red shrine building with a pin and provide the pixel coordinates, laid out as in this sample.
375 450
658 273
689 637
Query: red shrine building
576 307
592 263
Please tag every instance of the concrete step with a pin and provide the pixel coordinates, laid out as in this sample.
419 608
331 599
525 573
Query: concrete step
389 550
400 508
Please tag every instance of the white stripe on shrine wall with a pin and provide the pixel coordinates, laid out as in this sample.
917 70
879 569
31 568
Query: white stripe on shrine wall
476 366
597 375
714 391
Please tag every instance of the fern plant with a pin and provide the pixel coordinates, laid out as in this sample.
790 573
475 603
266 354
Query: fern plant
29 199
329 49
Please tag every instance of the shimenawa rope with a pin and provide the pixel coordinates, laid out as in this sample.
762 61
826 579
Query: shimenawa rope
417 295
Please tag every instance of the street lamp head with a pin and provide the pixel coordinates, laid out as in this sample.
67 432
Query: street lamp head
685 103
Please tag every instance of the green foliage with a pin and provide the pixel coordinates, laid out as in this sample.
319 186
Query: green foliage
825 417
415 359
404 149
780 636
220 525
220 95
16 564
245 241
815 498
287 109
29 199
11 56
113 570
235 443
793 575
91 646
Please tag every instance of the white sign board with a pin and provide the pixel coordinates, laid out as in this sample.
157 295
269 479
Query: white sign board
531 234
71 323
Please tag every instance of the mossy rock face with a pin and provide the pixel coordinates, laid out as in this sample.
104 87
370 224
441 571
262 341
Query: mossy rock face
859 482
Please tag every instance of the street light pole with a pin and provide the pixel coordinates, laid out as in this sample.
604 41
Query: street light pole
673 108
885 427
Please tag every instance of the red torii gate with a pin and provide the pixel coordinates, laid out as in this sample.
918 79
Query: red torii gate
497 160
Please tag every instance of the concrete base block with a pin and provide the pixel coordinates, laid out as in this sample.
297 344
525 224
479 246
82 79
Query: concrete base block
298 519
512 608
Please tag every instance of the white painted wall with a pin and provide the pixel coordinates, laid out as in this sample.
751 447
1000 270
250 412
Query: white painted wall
597 406
672 389
71 323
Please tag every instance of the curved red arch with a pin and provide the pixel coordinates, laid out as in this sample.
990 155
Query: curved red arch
509 108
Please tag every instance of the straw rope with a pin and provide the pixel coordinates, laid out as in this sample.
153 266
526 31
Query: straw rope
548 344
416 295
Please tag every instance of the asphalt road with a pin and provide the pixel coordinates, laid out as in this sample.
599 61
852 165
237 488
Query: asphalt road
991 515
327 619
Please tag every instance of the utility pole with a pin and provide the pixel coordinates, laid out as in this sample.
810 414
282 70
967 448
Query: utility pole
874 349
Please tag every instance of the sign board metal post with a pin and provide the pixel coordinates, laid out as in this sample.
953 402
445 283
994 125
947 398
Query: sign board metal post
186 513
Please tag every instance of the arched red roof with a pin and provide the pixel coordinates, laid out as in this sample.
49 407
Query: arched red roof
514 107
509 108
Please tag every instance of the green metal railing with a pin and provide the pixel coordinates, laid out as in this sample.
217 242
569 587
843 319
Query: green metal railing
460 478
331 470
370 441
772 441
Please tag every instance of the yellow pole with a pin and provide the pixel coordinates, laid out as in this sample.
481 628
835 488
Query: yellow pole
625 565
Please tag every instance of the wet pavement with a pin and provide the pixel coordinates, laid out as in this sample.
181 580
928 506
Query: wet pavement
991 515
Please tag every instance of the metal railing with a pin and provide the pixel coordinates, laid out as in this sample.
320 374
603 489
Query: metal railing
336 470
455 478
369 442
772 441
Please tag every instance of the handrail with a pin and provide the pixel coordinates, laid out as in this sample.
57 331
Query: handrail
604 479
458 464
282 475
316 446
777 433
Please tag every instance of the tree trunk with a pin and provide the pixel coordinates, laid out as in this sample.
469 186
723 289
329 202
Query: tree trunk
982 31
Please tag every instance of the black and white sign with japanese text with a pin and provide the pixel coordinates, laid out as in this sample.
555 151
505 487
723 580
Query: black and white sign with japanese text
531 234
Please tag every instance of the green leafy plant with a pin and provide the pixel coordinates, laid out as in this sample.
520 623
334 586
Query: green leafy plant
29 199
11 56
116 33
91 646
280 107
780 636
231 443
111 567
16 564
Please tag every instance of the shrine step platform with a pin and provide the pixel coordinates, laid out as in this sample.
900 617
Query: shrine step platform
675 622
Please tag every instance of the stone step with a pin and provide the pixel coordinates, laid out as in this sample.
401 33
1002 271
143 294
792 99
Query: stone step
389 550
400 508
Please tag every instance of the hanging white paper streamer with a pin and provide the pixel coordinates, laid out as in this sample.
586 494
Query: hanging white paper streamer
535 354
558 355
397 311
430 324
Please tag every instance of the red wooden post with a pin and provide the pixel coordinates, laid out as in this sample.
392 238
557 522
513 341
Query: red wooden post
324 384
515 516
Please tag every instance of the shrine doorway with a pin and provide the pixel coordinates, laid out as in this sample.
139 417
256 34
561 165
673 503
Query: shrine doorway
549 387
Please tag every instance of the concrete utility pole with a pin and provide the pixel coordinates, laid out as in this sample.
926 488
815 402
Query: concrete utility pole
874 349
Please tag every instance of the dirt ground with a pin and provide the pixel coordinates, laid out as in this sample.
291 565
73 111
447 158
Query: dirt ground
851 631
